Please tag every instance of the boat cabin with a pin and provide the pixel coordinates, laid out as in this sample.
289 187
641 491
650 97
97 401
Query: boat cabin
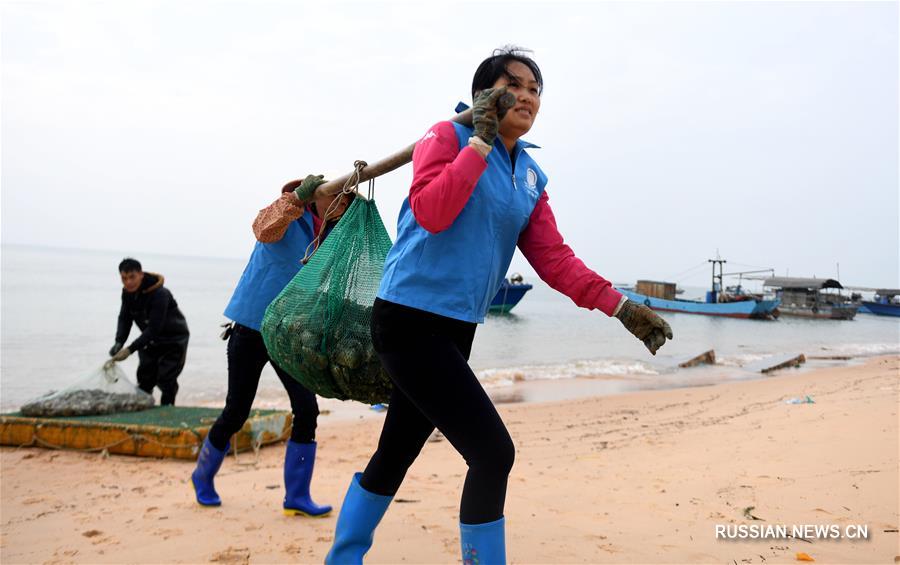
887 296
656 289
809 297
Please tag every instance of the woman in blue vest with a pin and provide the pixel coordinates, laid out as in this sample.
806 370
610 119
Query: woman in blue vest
283 231
476 195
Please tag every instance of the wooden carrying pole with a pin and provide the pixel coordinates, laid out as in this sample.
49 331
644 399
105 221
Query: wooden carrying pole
385 165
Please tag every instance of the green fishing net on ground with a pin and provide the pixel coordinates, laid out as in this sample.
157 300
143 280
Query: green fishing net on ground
317 329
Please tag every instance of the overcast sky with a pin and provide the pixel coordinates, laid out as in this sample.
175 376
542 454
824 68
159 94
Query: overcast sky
768 131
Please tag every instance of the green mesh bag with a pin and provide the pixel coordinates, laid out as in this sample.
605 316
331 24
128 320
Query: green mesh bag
317 329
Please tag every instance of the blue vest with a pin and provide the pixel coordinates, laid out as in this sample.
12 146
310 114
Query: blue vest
456 272
271 267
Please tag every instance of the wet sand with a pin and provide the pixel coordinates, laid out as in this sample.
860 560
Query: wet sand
634 478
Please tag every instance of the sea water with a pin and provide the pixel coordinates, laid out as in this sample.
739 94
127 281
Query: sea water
58 312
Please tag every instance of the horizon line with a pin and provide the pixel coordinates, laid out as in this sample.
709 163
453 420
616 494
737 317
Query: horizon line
97 250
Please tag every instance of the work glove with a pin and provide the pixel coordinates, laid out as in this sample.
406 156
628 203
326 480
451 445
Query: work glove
645 324
121 354
488 109
308 187
115 348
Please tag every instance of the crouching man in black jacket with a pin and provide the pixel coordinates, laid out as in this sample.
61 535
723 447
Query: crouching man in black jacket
162 345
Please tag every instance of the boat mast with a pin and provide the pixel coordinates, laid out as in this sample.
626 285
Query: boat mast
713 295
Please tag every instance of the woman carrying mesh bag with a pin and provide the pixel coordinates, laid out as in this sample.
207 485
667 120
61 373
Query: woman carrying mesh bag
283 231
476 195
317 328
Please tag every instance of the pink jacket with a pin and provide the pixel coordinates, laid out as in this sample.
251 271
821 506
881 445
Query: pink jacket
443 181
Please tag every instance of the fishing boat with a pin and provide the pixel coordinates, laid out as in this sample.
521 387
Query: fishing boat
886 302
511 292
857 300
660 295
808 298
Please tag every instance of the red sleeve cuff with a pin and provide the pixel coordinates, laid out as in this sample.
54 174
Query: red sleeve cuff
471 165
609 301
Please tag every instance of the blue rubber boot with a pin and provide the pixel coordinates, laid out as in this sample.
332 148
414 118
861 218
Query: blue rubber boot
299 460
483 544
360 514
208 463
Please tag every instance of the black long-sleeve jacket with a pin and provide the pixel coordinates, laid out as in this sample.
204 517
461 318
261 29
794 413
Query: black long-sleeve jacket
153 308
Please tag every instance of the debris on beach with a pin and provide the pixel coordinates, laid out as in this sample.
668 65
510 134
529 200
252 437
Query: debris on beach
831 357
770 364
705 358
800 400
748 513
793 362
804 557
232 556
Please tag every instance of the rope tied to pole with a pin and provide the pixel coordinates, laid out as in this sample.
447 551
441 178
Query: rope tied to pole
351 186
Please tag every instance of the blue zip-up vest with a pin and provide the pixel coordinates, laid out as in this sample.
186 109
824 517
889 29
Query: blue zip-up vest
456 272
270 268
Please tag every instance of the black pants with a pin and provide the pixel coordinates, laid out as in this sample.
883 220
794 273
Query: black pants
247 356
427 357
159 366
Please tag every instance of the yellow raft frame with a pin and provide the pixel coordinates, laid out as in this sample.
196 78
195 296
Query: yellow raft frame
164 431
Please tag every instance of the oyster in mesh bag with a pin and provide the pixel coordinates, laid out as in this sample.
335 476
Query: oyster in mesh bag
317 328
105 390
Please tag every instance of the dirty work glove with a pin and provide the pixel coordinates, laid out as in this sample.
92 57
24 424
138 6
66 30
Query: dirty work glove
645 324
122 354
488 109
308 187
115 348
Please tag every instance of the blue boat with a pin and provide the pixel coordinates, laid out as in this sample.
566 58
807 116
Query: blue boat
751 308
661 296
885 303
511 292
857 300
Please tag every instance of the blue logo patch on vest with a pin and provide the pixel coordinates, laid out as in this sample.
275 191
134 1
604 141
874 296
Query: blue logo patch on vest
531 180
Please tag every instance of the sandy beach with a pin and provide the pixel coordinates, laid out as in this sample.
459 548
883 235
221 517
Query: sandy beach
633 478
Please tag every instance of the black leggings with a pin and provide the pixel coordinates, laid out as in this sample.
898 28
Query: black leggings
426 356
247 356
